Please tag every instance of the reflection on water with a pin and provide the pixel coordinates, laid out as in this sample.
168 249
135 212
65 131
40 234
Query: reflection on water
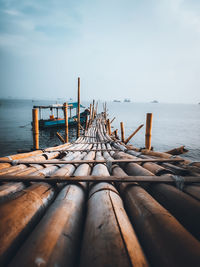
173 125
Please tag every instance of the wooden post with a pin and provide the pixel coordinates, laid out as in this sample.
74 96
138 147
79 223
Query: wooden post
116 135
108 127
148 131
66 121
93 109
78 109
105 111
35 128
90 114
122 131
96 107
86 123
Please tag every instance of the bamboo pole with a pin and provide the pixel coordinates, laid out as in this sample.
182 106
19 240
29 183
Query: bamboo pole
108 126
78 110
66 123
19 216
90 114
35 128
105 106
60 137
93 109
112 120
129 138
116 135
122 131
107 226
149 117
86 123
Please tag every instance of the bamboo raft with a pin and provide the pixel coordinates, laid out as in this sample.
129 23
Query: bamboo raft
96 202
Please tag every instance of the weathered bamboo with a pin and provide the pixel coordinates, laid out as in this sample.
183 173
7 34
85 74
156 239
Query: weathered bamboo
66 121
56 239
86 123
9 189
193 190
148 130
136 160
61 179
112 120
177 151
19 216
122 131
107 225
116 135
93 109
185 208
78 109
134 133
35 129
90 114
108 126
60 137
160 234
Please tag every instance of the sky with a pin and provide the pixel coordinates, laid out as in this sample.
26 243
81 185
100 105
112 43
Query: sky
139 49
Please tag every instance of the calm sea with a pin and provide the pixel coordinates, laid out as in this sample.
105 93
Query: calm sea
173 125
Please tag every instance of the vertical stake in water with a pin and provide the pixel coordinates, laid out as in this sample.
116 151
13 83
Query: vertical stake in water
86 123
78 110
108 127
35 128
66 122
122 131
93 109
149 117
90 114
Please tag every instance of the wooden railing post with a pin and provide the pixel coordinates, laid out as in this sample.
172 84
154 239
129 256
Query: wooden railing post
122 131
78 109
93 109
66 122
149 117
35 128
90 119
108 127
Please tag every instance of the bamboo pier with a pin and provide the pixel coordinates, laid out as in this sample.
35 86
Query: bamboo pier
99 202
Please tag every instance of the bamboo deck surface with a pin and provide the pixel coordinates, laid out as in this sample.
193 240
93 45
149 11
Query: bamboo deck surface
95 202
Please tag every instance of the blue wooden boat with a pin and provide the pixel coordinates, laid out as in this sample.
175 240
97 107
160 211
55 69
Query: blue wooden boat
55 121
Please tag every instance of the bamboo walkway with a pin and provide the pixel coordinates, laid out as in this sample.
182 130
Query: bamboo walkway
97 203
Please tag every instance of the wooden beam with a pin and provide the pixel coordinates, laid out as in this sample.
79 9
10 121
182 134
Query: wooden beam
62 179
15 162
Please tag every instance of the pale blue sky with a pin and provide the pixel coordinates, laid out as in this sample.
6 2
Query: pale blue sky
143 50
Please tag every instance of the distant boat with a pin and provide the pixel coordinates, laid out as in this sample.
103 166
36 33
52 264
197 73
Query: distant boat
127 100
118 101
154 101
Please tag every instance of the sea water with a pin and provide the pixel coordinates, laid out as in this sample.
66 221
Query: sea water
173 125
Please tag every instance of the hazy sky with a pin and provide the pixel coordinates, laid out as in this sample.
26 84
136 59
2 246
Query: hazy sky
143 50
